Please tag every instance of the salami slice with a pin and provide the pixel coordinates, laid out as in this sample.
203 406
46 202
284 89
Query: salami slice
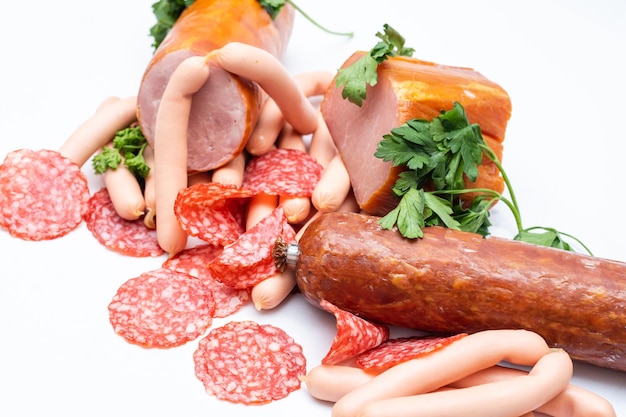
354 335
43 195
249 260
398 350
246 362
193 261
161 309
212 212
289 172
131 238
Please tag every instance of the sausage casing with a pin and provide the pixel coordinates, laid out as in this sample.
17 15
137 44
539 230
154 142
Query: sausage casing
452 282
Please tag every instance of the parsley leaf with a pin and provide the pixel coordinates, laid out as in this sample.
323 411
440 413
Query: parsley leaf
363 72
273 7
128 146
166 13
437 156
108 158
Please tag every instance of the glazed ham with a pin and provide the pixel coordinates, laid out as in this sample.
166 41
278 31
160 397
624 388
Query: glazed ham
225 110
407 89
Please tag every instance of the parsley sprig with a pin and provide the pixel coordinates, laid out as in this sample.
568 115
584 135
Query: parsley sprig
438 155
128 147
168 11
356 77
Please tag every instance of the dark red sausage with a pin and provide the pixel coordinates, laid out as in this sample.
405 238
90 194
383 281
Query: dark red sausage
452 282
225 110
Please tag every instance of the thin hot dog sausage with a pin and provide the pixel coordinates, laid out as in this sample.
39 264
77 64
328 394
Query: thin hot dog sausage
454 282
232 172
265 69
296 209
469 354
333 187
271 118
112 115
170 149
227 106
511 397
331 382
125 192
149 191
322 147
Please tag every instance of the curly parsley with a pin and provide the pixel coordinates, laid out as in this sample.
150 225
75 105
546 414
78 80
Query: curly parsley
128 147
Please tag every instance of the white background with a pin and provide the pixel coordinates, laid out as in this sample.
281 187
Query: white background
561 62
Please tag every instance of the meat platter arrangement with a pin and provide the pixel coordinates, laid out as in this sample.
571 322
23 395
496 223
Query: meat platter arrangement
240 210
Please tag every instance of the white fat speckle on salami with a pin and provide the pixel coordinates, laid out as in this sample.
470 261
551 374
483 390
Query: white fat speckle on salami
43 195
249 260
193 261
250 363
289 172
212 212
354 335
402 349
131 238
161 309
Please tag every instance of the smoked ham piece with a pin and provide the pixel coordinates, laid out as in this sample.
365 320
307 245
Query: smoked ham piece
225 110
407 89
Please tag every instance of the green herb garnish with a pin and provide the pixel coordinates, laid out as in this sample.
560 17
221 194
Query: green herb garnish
438 155
128 147
356 77
168 11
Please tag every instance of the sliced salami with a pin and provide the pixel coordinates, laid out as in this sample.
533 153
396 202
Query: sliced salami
194 261
161 309
212 212
131 238
249 260
43 195
246 362
354 335
289 172
402 349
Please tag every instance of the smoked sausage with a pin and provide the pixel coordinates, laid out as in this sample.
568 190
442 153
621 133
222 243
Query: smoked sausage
226 108
452 282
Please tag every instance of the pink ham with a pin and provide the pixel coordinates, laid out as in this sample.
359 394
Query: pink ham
408 88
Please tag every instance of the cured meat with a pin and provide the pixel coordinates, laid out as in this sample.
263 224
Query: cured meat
249 259
213 212
457 282
132 238
354 335
246 362
289 172
394 351
43 195
409 88
161 309
194 261
226 108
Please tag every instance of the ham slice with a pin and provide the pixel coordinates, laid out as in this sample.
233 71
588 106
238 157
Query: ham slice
409 88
